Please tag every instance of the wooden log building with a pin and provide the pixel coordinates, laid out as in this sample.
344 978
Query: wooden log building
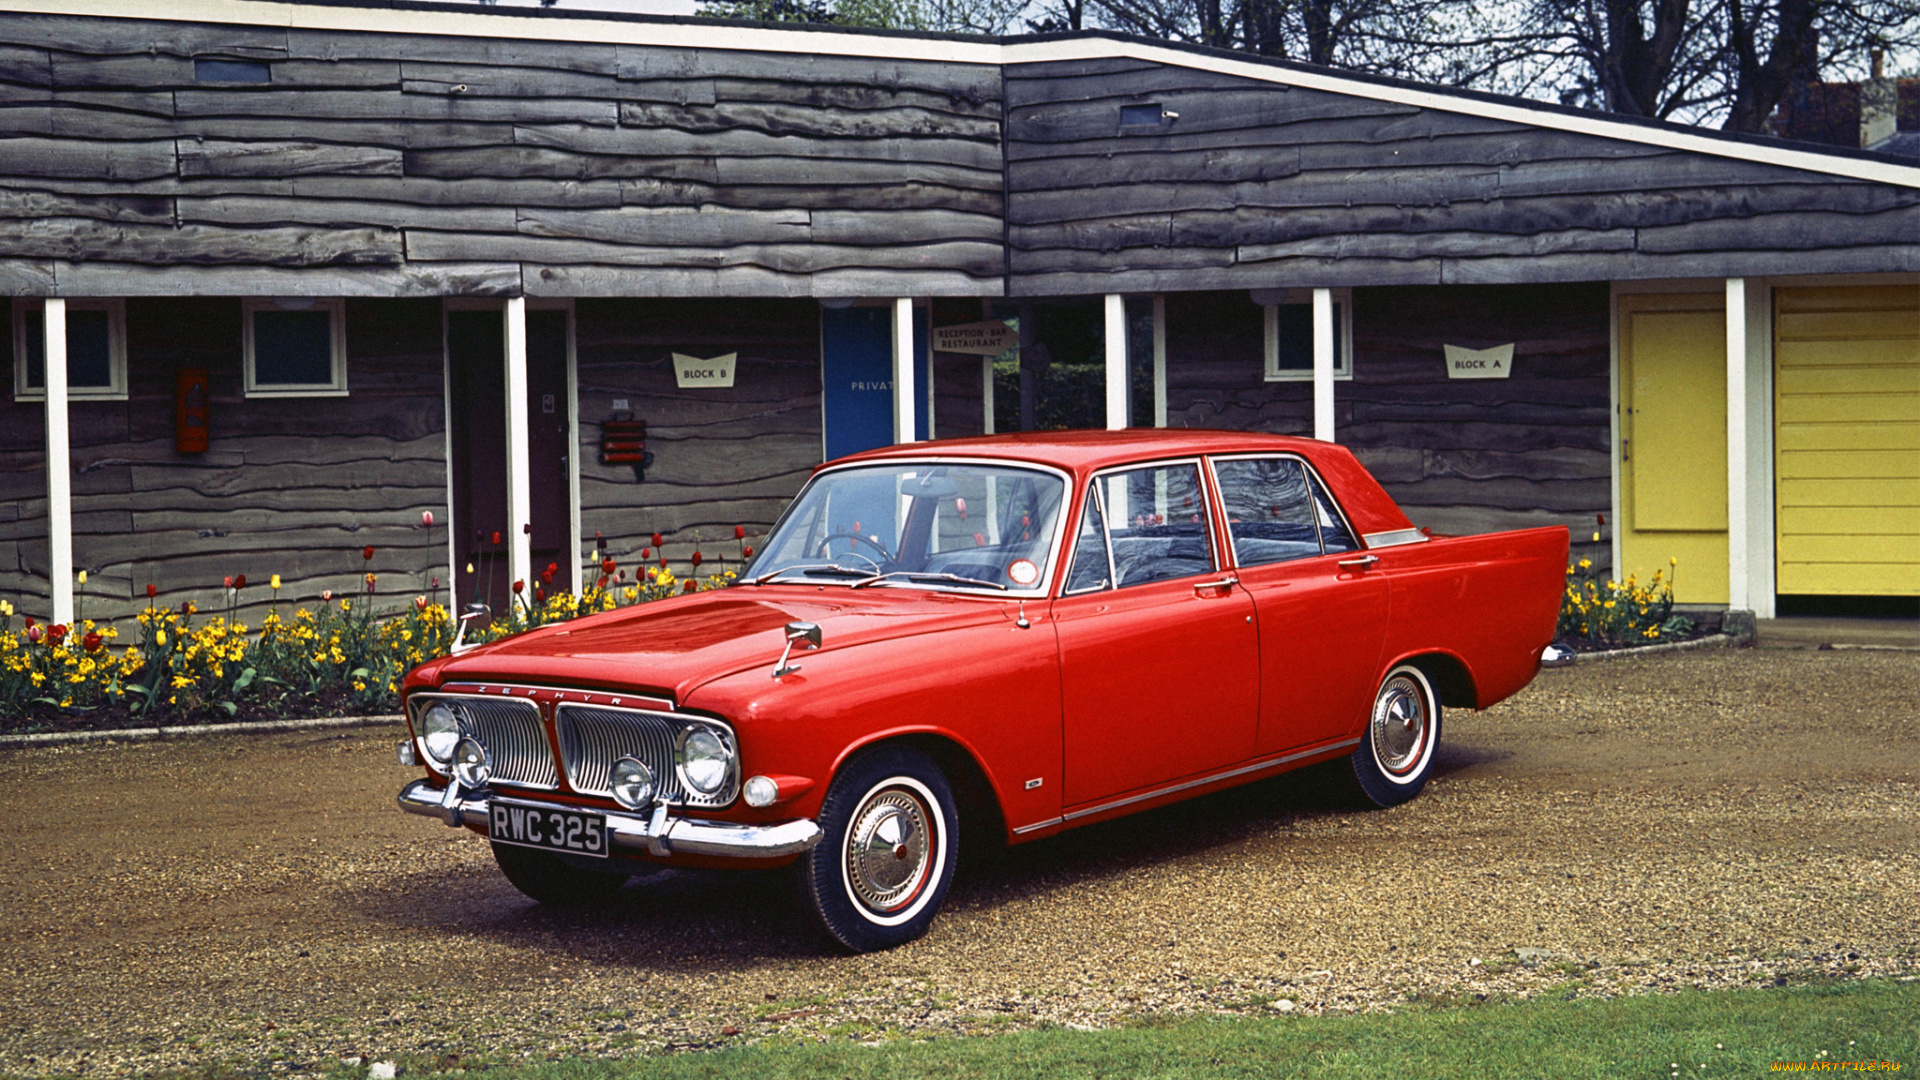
286 276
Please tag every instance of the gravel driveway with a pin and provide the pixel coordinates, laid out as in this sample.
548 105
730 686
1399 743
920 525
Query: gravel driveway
1708 818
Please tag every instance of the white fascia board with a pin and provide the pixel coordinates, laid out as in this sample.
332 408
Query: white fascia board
501 23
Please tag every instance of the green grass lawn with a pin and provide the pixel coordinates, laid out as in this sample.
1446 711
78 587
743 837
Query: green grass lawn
1691 1034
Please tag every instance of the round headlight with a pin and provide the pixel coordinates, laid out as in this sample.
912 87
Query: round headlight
632 783
705 761
471 764
760 791
439 731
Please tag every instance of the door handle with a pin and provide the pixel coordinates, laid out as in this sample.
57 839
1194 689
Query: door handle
1223 585
1361 562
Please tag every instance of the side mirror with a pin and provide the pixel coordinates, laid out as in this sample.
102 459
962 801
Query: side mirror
474 611
797 632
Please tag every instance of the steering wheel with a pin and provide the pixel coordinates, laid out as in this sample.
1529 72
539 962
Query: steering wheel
823 551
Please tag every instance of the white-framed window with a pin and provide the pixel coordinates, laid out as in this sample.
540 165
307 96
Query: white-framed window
1289 336
96 349
295 347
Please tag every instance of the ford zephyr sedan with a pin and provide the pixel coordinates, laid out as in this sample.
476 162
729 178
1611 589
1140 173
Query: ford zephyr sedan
989 640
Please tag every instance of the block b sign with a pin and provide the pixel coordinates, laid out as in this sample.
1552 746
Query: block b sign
691 372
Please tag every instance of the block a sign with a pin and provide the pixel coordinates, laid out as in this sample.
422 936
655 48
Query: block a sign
691 372
990 338
1494 363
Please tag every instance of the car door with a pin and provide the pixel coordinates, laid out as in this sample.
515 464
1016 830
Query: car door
1158 659
1319 601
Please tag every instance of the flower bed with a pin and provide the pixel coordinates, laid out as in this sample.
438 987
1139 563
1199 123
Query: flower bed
330 658
1599 614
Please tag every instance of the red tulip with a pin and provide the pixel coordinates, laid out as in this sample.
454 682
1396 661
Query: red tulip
696 558
33 632
426 519
92 641
326 594
553 568
435 583
367 553
539 595
663 562
739 532
56 634
420 603
519 587
496 538
1600 519
607 567
546 576
186 607
747 553
152 590
227 582
29 619
603 581
687 585
239 581
657 541
646 553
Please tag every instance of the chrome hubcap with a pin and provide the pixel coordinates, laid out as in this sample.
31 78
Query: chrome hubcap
888 851
1400 724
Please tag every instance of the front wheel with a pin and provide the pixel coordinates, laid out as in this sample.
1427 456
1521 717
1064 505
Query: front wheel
879 875
1395 756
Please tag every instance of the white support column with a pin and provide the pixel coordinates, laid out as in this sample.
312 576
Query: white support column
519 484
1116 338
1323 364
1738 575
903 390
1159 361
59 465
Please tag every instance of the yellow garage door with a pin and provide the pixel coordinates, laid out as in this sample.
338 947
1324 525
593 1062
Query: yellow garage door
1847 440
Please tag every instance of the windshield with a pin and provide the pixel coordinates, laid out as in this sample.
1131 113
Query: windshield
920 525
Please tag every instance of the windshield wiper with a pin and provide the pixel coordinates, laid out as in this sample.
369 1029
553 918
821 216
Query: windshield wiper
817 568
921 575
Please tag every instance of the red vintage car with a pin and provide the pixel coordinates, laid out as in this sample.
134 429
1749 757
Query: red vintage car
995 638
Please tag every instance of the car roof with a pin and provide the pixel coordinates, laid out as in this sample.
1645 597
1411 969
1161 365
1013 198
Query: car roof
1084 451
1367 504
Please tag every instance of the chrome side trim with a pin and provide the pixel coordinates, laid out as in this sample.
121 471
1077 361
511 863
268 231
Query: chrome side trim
1395 538
657 835
1170 789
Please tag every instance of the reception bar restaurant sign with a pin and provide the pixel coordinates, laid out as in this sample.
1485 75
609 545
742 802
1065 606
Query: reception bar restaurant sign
990 338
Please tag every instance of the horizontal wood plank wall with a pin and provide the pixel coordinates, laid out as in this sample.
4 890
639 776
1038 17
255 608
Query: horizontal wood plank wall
1255 185
1460 455
289 486
722 457
956 377
393 164
23 488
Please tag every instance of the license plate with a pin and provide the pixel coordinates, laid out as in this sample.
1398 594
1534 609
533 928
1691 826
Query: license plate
550 828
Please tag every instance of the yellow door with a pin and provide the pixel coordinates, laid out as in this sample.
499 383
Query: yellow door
1673 448
1846 412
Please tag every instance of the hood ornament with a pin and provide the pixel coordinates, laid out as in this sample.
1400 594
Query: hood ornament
797 631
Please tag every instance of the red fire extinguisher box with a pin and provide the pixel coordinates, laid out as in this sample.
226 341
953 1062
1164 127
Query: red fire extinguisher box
192 410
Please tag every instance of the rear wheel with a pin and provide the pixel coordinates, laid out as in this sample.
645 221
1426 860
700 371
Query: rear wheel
879 875
1395 756
549 879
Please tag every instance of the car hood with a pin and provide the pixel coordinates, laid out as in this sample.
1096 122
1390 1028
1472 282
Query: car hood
671 647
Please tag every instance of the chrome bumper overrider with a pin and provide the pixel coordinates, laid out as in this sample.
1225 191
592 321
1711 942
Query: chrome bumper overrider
655 833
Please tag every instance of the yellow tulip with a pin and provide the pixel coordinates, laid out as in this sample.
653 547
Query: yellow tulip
83 577
274 582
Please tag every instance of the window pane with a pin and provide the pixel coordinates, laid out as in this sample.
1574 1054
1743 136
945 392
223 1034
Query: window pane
1333 533
1089 550
293 348
1269 511
1296 337
1157 519
89 348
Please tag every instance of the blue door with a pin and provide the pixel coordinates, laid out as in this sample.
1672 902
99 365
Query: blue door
856 358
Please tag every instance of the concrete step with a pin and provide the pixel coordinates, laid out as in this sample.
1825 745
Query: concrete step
1810 632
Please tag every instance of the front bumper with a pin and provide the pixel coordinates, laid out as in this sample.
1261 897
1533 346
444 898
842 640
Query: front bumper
655 834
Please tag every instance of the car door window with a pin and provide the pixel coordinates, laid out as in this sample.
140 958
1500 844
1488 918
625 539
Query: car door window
1334 534
1156 521
1270 510
1091 568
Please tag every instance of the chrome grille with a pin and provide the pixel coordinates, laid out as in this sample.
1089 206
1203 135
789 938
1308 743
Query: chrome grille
511 732
592 738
